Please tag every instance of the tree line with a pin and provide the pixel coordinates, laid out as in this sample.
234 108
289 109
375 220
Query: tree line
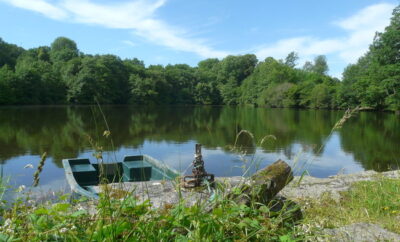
61 74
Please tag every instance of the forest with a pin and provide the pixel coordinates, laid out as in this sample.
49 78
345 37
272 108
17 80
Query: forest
61 74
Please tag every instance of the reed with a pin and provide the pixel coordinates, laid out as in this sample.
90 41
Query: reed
36 175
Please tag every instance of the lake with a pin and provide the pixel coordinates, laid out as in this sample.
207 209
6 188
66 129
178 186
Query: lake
303 138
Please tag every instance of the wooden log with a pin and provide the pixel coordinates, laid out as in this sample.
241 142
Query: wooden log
263 185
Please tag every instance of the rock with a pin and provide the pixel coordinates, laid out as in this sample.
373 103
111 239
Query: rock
312 187
358 232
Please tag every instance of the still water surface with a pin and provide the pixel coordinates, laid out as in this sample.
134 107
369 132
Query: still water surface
303 139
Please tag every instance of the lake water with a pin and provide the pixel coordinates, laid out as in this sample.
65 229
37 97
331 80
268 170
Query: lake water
369 140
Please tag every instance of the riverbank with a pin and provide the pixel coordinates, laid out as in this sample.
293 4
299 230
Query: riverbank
365 203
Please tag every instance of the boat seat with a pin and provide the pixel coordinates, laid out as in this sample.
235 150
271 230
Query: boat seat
136 170
85 174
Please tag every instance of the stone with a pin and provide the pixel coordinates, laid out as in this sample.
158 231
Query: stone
361 232
311 187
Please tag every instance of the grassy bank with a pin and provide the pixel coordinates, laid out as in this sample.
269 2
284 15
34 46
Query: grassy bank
127 220
375 202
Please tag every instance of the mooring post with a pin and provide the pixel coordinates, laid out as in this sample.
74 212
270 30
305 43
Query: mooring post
199 174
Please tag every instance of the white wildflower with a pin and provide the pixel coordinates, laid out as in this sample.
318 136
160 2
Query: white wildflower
63 230
28 166
80 207
7 222
21 188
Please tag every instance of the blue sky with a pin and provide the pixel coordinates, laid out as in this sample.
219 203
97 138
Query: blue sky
182 31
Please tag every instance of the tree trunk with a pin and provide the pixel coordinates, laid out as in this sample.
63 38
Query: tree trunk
263 185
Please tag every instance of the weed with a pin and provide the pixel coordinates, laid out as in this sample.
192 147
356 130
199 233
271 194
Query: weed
36 175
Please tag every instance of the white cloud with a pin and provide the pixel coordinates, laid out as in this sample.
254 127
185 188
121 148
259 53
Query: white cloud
137 16
373 16
40 6
130 43
360 30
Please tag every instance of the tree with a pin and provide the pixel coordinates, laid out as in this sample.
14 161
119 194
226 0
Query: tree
63 49
182 80
291 59
100 78
7 79
385 47
375 78
320 65
275 95
308 66
9 54
320 96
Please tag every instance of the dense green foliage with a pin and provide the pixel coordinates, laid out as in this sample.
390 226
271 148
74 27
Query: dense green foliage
374 80
60 74
125 218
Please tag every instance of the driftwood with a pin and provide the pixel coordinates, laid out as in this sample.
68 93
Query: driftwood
263 185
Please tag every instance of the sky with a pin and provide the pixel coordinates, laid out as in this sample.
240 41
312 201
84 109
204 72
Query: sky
181 31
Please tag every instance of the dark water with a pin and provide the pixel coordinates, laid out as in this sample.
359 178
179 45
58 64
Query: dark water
303 138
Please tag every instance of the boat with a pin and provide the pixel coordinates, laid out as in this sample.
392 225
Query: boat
85 177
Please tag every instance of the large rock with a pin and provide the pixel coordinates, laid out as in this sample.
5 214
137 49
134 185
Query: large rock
311 187
359 232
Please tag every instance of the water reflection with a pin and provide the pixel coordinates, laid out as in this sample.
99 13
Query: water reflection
367 141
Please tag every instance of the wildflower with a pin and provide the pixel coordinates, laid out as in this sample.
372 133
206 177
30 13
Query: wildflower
28 166
21 188
385 208
7 222
107 133
63 230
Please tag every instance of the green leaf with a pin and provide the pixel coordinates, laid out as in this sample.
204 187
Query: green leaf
78 213
41 211
285 238
61 207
